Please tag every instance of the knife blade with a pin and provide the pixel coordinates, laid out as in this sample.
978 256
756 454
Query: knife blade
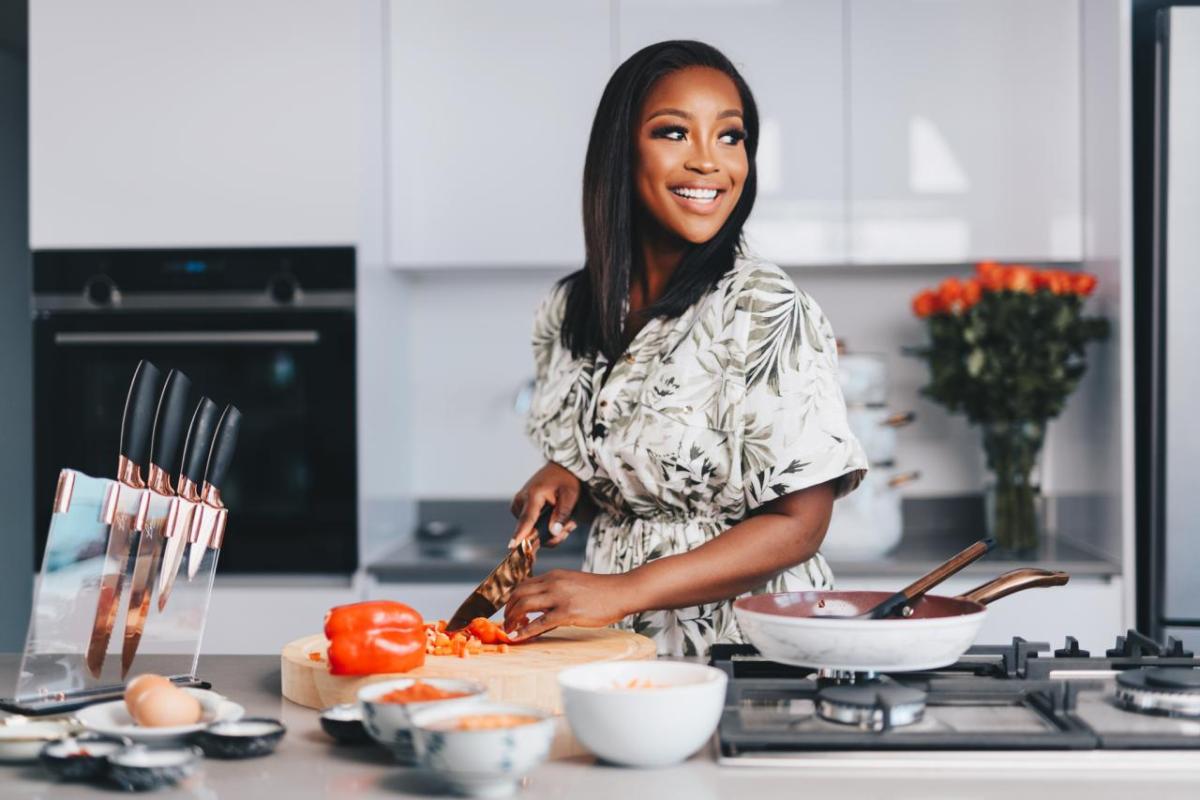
164 452
125 505
178 531
211 527
491 595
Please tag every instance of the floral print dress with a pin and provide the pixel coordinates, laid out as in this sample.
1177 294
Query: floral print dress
704 418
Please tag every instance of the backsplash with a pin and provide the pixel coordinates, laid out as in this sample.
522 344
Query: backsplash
466 354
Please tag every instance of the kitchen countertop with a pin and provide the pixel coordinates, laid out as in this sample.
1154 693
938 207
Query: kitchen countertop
308 765
934 531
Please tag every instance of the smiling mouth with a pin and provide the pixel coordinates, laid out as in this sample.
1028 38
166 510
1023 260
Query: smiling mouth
696 195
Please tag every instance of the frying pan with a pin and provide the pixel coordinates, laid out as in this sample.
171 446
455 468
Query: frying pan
812 629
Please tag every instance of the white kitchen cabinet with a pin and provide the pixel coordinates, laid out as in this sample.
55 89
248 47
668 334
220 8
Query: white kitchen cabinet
225 123
491 105
965 139
1089 608
790 54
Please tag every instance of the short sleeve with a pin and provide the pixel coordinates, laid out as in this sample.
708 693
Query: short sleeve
559 396
795 431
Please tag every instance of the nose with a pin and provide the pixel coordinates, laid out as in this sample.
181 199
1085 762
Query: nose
701 160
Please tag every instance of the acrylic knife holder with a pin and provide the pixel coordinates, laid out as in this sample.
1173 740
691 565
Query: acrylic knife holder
55 675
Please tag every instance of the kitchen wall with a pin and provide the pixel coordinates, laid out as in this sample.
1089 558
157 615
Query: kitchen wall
16 402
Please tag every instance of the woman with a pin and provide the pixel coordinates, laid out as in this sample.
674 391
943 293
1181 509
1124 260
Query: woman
684 388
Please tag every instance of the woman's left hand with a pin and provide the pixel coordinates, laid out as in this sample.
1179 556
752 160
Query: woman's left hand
567 597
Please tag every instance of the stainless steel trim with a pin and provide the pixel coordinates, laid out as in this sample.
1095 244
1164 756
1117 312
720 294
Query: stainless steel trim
305 300
87 338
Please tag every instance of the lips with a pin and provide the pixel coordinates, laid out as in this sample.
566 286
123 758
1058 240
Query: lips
698 199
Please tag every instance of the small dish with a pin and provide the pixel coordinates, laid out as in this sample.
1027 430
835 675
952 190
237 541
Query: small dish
243 738
389 723
82 757
139 768
113 719
643 713
22 739
486 762
344 723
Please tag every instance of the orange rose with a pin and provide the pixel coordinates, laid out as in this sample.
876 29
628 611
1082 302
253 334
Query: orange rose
926 303
1055 280
1020 278
971 293
1083 283
950 295
991 275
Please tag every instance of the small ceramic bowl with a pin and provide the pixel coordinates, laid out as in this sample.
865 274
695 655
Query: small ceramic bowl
140 768
344 722
22 739
643 713
82 757
243 738
390 723
481 763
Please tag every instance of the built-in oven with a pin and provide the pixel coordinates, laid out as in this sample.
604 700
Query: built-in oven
269 330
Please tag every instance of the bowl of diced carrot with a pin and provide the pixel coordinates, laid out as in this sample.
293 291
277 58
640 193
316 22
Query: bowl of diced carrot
388 707
643 713
484 749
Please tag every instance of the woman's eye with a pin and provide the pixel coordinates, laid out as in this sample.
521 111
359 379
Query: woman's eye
733 136
675 133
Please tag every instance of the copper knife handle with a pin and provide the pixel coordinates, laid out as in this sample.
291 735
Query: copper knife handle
1015 580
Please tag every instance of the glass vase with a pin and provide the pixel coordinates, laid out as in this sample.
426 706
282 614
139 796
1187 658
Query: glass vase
1013 502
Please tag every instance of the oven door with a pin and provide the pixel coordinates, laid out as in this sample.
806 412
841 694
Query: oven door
292 489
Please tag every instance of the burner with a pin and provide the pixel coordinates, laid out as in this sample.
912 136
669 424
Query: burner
1173 691
871 707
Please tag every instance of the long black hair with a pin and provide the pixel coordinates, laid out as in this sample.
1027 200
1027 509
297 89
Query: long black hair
597 293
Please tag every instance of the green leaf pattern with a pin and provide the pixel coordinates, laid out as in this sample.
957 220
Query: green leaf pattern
704 419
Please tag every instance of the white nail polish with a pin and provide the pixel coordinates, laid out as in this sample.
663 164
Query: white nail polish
556 528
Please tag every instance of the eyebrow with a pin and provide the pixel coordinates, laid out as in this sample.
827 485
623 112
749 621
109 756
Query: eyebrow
675 112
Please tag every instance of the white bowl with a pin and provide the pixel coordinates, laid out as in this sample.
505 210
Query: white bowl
113 718
22 738
390 724
643 727
484 763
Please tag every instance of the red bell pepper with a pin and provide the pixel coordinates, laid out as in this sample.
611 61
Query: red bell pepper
487 631
374 637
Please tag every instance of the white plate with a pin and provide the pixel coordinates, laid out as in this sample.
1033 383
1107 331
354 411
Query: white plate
113 718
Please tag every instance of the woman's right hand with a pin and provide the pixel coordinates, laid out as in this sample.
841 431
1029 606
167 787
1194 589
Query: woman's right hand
553 485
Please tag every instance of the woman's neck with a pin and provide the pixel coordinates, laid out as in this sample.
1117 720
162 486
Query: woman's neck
660 256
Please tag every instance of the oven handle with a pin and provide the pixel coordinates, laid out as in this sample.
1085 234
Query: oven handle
186 337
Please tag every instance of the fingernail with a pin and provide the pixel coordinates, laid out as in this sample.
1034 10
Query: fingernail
556 528
512 543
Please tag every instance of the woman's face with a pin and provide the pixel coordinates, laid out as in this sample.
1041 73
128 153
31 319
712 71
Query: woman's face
691 156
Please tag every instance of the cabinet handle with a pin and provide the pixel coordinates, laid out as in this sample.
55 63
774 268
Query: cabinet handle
188 337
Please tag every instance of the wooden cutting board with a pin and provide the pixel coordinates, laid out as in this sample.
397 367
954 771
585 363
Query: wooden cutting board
526 674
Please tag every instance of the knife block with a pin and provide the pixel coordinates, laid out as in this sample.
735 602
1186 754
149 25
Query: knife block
55 675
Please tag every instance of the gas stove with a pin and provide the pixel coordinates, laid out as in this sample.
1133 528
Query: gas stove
1022 696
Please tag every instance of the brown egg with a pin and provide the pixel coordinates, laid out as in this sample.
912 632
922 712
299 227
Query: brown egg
140 685
166 707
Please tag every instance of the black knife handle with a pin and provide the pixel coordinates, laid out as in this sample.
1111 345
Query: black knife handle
168 422
140 405
223 446
199 440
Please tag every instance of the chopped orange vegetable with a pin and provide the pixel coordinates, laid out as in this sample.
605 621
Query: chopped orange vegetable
419 692
314 656
481 636
639 683
488 722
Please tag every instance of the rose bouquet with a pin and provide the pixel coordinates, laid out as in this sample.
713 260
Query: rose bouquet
1006 348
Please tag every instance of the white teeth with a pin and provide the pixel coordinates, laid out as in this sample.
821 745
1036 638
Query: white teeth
696 194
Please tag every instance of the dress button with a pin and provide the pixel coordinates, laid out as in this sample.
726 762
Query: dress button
603 403
629 359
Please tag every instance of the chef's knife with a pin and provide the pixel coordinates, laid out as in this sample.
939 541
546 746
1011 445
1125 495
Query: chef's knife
185 519
124 505
491 595
164 452
212 510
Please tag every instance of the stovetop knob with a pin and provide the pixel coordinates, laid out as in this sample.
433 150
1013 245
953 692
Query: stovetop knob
1175 649
1071 650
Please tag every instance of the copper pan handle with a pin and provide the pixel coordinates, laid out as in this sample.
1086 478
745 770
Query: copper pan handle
1015 580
